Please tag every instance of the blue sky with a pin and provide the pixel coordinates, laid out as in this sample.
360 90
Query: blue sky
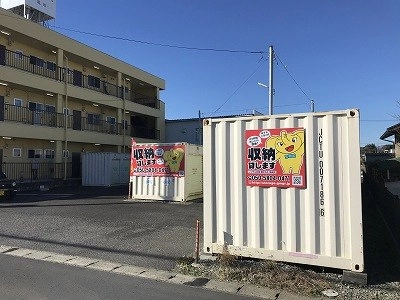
343 54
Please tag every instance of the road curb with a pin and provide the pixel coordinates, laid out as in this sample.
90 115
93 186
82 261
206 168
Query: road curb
153 274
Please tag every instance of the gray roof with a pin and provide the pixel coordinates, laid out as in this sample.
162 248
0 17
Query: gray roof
392 130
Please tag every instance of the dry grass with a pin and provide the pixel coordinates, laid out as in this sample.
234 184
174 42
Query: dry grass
264 273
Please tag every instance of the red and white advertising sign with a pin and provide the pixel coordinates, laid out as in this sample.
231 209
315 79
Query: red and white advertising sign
275 158
157 160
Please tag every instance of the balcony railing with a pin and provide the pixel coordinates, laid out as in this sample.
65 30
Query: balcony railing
51 70
51 119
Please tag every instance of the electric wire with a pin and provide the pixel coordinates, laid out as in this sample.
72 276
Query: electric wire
147 42
291 76
160 44
238 88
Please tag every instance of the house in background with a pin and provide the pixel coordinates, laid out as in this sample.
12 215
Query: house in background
395 132
59 98
184 130
191 130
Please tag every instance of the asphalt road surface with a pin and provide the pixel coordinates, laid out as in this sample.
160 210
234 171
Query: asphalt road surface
29 279
99 223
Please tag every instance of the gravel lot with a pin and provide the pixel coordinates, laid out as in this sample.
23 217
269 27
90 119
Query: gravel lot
382 261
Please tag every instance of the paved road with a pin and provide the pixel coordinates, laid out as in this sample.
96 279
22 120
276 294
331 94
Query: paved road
393 187
97 222
23 278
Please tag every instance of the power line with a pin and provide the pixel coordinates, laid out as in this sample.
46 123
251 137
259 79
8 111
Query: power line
286 69
159 44
147 42
243 83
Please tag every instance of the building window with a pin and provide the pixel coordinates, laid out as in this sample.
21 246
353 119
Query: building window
16 152
65 152
35 153
66 111
51 66
93 81
35 106
40 62
93 118
48 153
124 124
110 120
17 102
18 54
50 108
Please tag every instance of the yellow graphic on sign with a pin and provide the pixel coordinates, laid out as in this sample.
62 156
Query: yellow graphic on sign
289 149
173 158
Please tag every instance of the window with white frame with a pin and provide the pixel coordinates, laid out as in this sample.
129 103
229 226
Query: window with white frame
65 153
17 102
48 153
35 153
16 152
66 111
111 120
18 54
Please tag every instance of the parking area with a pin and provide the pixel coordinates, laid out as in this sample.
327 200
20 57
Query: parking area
101 223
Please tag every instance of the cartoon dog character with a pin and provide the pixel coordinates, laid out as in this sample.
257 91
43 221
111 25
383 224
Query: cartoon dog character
289 149
173 159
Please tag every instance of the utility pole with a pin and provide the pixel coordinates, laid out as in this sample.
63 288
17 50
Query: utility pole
200 130
271 79
312 106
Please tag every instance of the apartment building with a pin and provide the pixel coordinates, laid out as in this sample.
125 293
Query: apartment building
59 98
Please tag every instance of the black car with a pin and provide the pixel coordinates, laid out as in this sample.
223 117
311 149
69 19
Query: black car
8 188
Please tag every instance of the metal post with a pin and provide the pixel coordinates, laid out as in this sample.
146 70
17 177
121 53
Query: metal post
271 80
312 106
66 117
200 130
197 246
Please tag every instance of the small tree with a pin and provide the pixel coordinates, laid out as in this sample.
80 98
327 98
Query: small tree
369 148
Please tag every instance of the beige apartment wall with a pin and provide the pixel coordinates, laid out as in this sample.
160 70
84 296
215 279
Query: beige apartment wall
28 97
161 122
31 81
28 50
34 39
24 145
32 31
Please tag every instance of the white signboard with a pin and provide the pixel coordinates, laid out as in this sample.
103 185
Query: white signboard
47 7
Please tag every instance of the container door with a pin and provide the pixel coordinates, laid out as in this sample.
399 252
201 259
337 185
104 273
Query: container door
115 170
76 164
77 120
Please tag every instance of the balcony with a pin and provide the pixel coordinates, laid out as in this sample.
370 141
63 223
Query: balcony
35 117
48 69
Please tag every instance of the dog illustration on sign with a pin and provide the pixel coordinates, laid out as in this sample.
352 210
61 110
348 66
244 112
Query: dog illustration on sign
173 158
289 149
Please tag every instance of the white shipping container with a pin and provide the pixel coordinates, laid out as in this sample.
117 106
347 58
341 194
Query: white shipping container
105 168
319 223
172 188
